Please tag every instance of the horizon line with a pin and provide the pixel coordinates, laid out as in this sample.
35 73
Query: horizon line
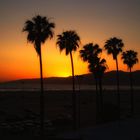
6 81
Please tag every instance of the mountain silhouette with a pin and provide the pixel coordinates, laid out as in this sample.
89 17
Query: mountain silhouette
87 79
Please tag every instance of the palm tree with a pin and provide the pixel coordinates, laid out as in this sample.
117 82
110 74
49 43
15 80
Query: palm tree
89 53
39 29
98 67
130 59
114 47
69 41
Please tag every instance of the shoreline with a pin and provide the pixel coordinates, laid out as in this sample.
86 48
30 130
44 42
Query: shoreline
57 89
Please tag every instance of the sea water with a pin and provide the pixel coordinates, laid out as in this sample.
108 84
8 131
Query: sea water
54 87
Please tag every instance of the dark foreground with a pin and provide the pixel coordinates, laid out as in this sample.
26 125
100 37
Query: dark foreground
19 112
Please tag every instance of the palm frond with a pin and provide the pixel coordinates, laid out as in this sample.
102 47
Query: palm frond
68 41
90 52
114 46
38 30
130 58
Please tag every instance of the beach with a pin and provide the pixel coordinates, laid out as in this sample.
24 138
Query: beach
20 111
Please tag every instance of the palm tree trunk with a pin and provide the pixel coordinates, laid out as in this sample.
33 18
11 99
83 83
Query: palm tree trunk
118 89
96 83
132 96
73 94
41 98
79 111
97 101
101 98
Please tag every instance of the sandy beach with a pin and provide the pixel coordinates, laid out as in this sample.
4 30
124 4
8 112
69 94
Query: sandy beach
19 111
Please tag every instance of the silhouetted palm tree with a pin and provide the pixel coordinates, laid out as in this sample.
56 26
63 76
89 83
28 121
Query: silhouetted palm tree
79 79
69 41
98 67
114 46
130 59
39 29
89 53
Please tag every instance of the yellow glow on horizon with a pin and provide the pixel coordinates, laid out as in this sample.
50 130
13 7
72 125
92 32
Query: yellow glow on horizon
63 74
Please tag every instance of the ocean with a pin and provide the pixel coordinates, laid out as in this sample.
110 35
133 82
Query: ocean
55 87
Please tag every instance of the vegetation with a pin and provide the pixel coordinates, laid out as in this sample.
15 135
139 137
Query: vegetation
39 29
97 66
69 41
88 54
114 47
130 59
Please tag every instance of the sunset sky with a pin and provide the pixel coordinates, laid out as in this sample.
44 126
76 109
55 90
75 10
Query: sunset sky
94 20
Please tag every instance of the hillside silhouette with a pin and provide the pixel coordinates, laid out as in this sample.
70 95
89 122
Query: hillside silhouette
87 79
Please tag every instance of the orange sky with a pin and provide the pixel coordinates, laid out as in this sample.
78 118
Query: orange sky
92 21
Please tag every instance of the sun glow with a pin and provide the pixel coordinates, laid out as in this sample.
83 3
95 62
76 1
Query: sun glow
63 74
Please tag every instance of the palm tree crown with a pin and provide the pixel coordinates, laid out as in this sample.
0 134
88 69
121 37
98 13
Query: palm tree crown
39 29
114 46
130 58
98 67
90 51
68 41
